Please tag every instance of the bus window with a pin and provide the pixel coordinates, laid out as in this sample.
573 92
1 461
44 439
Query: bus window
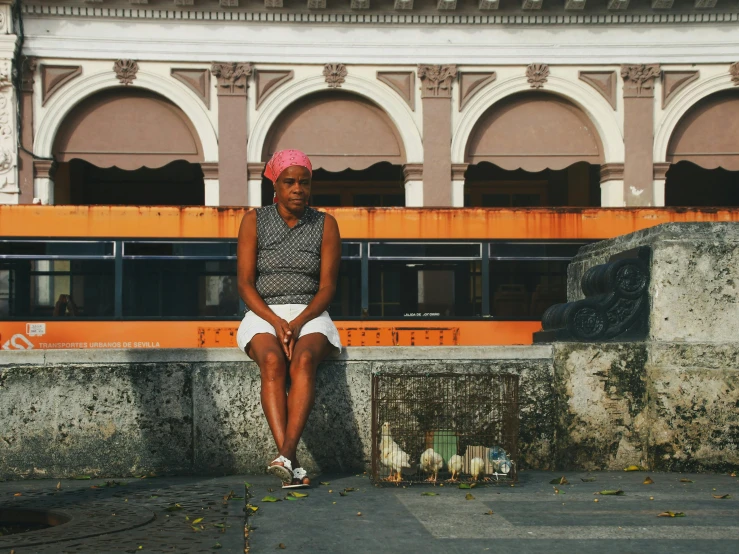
347 301
524 289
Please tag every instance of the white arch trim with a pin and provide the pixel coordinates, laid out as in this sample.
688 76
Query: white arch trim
71 95
680 106
585 97
377 93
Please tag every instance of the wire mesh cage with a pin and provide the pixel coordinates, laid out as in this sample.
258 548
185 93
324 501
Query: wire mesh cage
444 427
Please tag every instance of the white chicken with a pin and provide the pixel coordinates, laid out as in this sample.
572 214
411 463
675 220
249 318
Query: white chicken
391 455
431 462
455 465
477 466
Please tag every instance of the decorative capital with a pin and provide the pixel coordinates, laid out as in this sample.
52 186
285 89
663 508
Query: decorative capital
537 74
436 80
231 78
125 71
335 74
639 80
28 67
734 72
6 78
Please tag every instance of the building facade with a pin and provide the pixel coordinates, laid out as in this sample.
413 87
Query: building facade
418 103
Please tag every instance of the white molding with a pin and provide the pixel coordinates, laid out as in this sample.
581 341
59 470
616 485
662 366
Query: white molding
597 108
458 194
79 89
381 18
212 192
254 193
374 91
205 41
612 194
414 194
658 193
43 189
679 106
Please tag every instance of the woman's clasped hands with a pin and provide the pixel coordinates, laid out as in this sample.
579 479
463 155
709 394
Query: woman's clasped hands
287 334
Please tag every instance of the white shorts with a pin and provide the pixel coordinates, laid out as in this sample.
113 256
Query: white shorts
252 325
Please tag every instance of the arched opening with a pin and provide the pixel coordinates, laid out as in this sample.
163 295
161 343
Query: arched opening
128 146
356 150
704 148
533 149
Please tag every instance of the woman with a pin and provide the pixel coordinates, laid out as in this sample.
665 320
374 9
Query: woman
288 260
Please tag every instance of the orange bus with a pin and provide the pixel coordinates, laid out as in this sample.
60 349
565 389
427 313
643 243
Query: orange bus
165 277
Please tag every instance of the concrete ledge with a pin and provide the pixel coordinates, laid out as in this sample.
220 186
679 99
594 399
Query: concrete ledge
374 353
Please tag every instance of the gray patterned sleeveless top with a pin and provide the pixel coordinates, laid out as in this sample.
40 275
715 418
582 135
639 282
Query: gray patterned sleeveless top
288 260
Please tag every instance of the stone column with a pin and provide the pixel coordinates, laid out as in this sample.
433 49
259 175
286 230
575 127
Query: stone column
436 94
9 190
254 172
458 171
638 133
43 181
612 185
212 185
413 176
659 176
232 132
25 156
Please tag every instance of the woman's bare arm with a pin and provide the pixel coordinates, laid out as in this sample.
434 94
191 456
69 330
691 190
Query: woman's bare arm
246 272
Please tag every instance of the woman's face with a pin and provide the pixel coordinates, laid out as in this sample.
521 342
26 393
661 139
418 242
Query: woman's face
293 187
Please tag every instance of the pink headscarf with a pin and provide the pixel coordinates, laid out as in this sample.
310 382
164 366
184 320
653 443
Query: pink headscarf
283 159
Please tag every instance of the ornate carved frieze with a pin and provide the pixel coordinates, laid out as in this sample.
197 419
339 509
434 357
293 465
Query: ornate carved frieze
359 4
537 74
273 4
618 5
602 81
197 80
316 4
615 307
402 82
125 71
436 80
705 4
639 80
28 69
403 4
8 150
268 81
734 72
4 21
675 81
531 4
446 5
54 77
470 83
231 78
573 5
488 5
335 74
229 3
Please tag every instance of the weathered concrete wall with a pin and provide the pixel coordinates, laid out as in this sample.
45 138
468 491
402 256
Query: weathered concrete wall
110 413
671 402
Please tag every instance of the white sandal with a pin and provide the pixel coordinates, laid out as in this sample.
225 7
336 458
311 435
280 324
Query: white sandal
284 471
299 474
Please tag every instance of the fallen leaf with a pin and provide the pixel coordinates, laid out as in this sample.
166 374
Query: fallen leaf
59 486
82 477
187 518
465 486
270 499
648 481
282 546
253 508
247 485
595 500
722 496
153 496
325 483
174 508
611 492
488 513
469 496
429 494
298 494
18 494
557 491
349 490
291 498
633 467
732 474
216 546
219 525
342 493
587 479
686 481
196 521
359 513
671 514
561 481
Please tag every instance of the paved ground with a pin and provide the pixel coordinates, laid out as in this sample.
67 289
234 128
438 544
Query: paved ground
530 517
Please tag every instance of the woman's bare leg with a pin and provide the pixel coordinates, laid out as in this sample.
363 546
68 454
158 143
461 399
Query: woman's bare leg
308 352
266 351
